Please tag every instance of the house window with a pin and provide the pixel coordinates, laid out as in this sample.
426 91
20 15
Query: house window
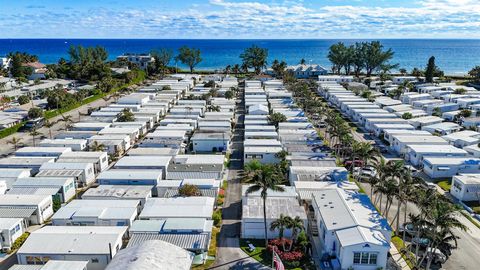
356 257
365 258
373 258
94 260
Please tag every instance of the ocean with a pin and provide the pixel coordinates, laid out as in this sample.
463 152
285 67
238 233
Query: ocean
454 56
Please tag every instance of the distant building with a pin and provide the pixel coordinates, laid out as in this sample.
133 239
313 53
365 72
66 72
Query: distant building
5 62
39 70
306 71
141 60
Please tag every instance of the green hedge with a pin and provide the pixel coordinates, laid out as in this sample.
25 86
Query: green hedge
140 77
11 130
19 242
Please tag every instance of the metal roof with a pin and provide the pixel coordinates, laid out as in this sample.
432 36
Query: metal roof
11 212
34 190
193 174
173 192
186 241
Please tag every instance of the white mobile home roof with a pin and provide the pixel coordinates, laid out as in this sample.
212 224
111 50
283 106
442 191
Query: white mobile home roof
66 240
178 207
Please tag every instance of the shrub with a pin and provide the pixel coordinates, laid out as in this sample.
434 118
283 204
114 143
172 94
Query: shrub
23 99
217 218
189 190
220 201
35 113
19 242
287 256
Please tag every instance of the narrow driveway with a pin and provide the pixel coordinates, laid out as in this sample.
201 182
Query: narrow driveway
229 254
27 140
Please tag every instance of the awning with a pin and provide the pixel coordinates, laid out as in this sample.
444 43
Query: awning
13 212
192 242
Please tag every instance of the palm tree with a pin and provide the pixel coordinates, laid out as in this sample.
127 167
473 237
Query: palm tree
15 142
264 179
49 125
280 224
34 133
296 225
97 147
67 119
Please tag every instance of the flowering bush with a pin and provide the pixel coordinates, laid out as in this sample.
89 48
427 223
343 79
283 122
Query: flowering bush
288 256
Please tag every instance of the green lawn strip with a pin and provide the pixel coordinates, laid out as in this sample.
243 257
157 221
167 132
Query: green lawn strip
399 244
53 113
445 184
259 254
11 130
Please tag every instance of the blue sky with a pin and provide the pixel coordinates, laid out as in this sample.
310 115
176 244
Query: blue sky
240 19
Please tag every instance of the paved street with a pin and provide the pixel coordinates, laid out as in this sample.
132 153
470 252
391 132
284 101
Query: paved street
26 138
466 256
229 254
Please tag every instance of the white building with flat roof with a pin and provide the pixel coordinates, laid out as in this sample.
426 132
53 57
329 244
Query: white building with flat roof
446 167
99 159
416 153
95 244
466 187
130 177
34 208
41 151
178 207
96 213
74 144
10 230
83 173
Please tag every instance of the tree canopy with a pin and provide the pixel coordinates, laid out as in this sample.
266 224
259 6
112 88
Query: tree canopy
189 56
35 113
254 57
361 56
162 58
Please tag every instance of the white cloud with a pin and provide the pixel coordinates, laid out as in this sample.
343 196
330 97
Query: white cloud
249 19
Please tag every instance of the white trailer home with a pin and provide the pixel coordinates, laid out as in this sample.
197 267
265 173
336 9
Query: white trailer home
378 129
74 144
371 122
42 151
206 142
89 126
65 187
31 163
94 244
36 209
446 167
130 177
10 230
99 159
266 155
83 173
131 132
133 163
401 143
465 186
421 122
417 153
86 212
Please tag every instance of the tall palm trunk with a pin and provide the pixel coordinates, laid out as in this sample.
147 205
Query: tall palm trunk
405 221
265 220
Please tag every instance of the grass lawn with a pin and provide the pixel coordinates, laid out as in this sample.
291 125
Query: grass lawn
445 184
398 242
212 249
204 266
259 253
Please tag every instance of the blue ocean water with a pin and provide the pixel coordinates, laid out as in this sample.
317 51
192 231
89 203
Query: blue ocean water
453 56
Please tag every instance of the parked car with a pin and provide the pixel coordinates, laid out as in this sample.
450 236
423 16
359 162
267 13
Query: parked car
438 256
356 163
421 241
365 172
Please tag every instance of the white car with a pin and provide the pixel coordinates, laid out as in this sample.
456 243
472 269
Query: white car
365 172
438 256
